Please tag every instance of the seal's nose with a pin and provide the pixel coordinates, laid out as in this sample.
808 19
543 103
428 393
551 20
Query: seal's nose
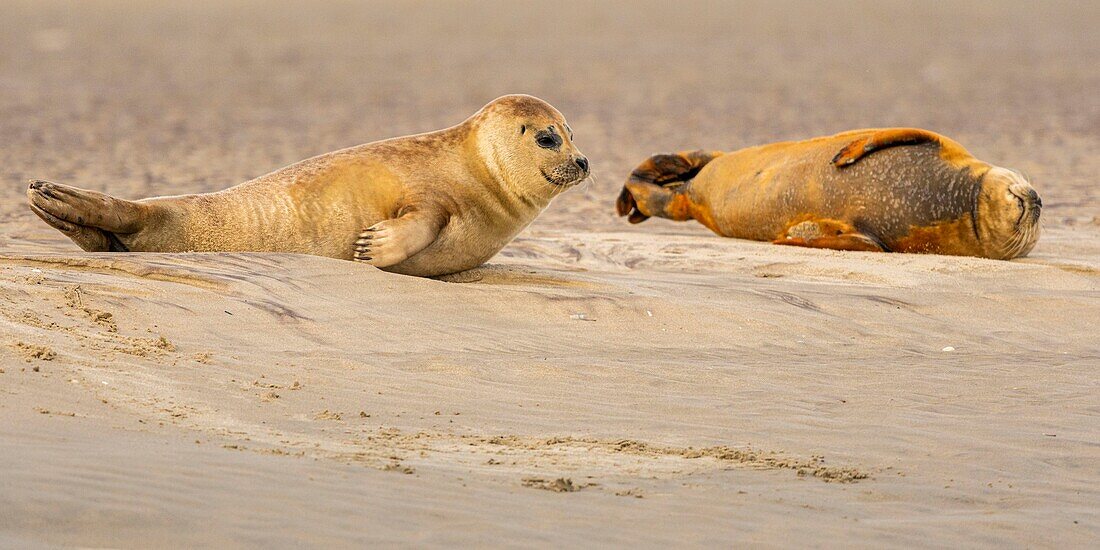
1035 200
582 162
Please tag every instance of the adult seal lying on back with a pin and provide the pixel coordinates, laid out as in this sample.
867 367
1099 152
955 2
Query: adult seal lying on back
892 190
429 204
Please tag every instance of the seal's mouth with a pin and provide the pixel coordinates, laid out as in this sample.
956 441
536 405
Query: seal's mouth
547 177
564 178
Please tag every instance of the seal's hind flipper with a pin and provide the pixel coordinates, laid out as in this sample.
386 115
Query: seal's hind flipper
91 219
647 199
84 207
893 137
670 168
626 204
829 234
652 190
87 238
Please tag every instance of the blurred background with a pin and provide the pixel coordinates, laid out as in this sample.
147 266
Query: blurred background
155 97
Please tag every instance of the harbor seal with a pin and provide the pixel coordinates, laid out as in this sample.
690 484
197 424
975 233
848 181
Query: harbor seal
429 204
892 190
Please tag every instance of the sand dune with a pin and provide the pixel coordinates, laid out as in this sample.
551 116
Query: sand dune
597 383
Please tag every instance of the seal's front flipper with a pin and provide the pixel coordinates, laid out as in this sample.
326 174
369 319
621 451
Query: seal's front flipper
652 190
893 137
829 234
851 241
392 241
91 219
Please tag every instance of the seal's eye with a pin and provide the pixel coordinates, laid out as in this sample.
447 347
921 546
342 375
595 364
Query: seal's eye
548 141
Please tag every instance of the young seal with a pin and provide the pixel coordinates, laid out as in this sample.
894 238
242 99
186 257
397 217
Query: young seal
426 205
892 190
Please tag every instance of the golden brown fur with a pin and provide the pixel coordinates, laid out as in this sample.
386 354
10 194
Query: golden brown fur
426 205
897 189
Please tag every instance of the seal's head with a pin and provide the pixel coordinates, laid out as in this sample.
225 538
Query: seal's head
528 146
1008 213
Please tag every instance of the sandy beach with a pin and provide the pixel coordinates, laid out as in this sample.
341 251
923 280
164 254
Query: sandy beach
595 384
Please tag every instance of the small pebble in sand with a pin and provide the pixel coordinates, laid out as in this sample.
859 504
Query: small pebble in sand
580 317
949 348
